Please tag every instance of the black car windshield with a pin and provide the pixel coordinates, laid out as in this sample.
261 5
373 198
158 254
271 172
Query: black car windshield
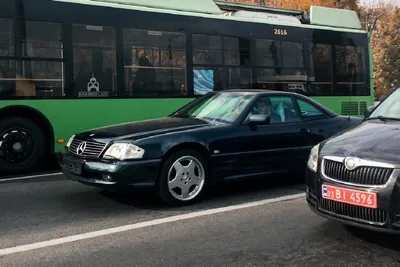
389 108
218 108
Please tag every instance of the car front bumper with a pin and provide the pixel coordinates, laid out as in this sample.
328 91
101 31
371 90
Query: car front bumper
385 218
107 174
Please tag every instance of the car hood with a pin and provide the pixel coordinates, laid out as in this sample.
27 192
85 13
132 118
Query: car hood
377 141
140 129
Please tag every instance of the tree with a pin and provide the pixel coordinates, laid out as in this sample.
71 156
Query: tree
371 15
348 4
302 4
371 12
387 73
305 4
253 2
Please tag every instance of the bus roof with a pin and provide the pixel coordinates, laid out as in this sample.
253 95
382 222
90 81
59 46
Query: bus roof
319 18
197 6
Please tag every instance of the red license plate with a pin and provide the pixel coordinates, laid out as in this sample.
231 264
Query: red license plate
349 196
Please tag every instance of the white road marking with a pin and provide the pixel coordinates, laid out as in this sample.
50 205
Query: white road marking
191 215
30 177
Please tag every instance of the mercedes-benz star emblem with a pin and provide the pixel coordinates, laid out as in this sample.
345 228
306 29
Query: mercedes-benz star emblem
350 163
81 148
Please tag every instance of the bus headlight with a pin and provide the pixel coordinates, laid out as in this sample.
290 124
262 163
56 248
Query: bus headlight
70 141
123 151
312 162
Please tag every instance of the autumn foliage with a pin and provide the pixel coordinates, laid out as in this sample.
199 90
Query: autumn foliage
381 18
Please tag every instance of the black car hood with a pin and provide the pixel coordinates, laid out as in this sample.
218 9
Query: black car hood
139 129
377 141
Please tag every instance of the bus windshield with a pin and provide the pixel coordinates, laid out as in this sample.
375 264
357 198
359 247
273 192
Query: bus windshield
390 107
222 108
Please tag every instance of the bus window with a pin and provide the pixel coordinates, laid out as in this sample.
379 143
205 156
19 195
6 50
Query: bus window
94 61
293 55
237 51
204 80
207 49
320 70
293 74
208 79
281 66
237 78
268 53
268 63
350 71
6 66
155 62
214 72
40 74
6 37
42 40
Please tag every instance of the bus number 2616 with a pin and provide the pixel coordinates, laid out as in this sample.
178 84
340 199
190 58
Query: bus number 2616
280 32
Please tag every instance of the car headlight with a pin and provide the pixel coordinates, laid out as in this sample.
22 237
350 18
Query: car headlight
123 151
312 162
70 141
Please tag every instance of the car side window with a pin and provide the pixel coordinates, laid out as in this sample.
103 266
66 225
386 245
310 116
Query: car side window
308 111
280 109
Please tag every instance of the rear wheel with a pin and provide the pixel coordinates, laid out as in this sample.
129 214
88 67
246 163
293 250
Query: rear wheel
22 145
183 178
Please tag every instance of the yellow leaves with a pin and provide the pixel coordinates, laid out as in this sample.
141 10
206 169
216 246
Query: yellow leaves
303 4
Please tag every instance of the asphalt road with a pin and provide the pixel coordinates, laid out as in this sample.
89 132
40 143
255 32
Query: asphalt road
273 232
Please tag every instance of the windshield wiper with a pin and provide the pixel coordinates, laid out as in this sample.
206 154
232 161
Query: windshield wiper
192 118
216 119
179 116
382 118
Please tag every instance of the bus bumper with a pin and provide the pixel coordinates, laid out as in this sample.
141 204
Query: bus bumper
117 174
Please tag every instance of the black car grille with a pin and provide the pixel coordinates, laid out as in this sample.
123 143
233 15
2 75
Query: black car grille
363 175
368 215
93 149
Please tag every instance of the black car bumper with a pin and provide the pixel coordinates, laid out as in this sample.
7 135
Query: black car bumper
143 173
384 218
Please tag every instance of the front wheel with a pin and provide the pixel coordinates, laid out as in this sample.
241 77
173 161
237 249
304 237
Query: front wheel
22 145
183 178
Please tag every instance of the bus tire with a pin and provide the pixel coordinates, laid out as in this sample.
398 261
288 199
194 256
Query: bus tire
23 145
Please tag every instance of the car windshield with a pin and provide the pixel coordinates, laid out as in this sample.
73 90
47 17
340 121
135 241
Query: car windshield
219 108
389 108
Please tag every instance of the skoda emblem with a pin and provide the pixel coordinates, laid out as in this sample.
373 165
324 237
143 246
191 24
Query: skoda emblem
350 163
81 148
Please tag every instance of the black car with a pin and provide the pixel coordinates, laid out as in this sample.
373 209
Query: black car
353 177
220 136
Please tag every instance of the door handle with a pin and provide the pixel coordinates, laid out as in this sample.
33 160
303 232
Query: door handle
303 130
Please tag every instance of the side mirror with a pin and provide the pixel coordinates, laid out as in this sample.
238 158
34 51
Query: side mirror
259 119
368 111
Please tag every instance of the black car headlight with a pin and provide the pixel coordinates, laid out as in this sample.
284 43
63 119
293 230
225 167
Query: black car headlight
70 141
124 151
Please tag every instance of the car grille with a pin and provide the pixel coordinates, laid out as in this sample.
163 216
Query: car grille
93 149
363 175
368 215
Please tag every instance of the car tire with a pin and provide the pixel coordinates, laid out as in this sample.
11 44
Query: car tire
30 140
192 179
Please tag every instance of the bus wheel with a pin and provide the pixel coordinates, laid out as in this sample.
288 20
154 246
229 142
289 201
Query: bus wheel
22 145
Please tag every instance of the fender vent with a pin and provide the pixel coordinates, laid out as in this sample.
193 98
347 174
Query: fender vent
363 107
350 108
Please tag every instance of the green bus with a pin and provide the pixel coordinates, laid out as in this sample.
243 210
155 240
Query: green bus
71 65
